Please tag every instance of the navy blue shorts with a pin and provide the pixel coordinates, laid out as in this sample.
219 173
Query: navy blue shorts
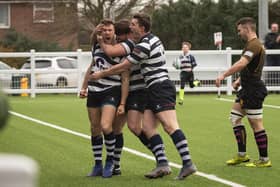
161 96
108 97
137 100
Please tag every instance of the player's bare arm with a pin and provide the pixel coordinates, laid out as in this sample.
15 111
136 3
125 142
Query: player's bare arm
83 91
114 70
125 90
236 84
238 66
111 50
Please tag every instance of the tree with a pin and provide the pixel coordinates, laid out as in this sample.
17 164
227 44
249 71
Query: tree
93 11
197 21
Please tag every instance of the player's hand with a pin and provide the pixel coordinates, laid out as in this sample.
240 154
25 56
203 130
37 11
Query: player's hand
83 93
235 85
219 79
99 29
121 109
99 38
278 39
95 75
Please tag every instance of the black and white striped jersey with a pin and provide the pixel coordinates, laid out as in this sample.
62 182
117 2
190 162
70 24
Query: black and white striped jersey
136 81
102 61
149 53
187 62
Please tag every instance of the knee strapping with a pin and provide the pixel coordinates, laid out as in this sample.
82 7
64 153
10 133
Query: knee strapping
235 117
254 113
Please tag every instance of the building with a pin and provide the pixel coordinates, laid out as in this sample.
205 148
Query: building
42 20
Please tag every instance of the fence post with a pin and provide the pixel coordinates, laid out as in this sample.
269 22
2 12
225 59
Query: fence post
32 74
229 79
80 74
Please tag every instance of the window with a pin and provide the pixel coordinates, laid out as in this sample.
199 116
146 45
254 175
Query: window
4 15
38 64
66 64
43 13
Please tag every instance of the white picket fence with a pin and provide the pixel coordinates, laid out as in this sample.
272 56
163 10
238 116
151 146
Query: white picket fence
210 64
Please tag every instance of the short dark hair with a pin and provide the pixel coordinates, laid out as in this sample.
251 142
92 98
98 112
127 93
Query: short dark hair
247 21
107 22
122 27
144 20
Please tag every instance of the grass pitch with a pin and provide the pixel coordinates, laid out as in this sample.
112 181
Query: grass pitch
65 159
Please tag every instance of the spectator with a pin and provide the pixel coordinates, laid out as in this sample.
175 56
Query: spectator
272 41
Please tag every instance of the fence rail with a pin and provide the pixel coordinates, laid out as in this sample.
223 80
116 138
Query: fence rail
210 64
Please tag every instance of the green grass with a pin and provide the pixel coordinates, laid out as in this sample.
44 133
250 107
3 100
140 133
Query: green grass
65 159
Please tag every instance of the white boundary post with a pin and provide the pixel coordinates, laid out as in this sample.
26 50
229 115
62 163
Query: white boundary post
32 73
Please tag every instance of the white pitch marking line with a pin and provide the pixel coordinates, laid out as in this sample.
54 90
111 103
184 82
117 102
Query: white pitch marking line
135 152
268 106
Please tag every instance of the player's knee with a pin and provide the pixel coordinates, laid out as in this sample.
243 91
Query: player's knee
254 113
134 129
235 117
169 129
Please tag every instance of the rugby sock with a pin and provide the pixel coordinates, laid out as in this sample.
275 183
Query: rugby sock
118 150
110 142
261 140
143 138
240 135
181 144
181 94
97 145
158 149
145 141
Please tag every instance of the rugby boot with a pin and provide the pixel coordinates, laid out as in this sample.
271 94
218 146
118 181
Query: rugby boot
96 171
186 171
160 171
238 160
259 164
108 169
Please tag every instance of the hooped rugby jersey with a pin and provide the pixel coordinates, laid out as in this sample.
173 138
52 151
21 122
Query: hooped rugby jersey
102 62
149 53
136 80
187 62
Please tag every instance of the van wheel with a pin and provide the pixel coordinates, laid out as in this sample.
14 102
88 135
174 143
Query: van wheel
61 82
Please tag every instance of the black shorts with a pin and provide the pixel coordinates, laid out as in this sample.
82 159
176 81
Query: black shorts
252 97
137 100
111 96
161 96
186 77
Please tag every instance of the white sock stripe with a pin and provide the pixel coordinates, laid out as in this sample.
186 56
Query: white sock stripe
157 147
97 146
111 148
118 149
110 141
162 158
98 152
159 152
186 157
98 158
117 156
184 149
110 153
179 144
